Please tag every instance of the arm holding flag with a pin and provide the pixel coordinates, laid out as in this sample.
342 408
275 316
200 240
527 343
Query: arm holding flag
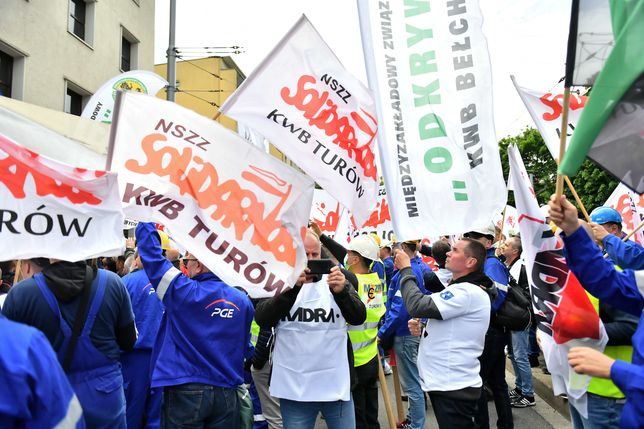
627 254
621 289
592 270
159 270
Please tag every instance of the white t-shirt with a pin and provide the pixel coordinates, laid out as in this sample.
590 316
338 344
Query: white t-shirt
450 348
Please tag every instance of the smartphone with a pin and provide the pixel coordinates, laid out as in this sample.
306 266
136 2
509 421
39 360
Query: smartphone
320 266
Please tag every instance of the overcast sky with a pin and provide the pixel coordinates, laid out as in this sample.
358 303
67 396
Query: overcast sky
526 38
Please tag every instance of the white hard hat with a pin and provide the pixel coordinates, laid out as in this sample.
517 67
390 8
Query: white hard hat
488 230
365 246
386 243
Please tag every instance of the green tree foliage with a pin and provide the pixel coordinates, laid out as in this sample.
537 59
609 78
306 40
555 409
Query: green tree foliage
592 183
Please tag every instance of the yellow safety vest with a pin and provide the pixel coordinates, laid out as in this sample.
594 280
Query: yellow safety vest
384 290
254 332
363 337
605 386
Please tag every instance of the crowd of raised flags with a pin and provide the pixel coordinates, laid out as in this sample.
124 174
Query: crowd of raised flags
246 218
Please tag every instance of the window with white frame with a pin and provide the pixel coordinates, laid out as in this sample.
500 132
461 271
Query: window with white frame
12 71
81 20
75 98
129 51
6 74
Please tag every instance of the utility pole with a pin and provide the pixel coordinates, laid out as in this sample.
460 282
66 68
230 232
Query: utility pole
171 53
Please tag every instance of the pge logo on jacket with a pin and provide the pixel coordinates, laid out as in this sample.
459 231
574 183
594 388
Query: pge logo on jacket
226 310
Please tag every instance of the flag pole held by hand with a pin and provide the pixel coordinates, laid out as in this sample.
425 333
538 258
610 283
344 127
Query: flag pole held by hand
385 394
397 390
574 193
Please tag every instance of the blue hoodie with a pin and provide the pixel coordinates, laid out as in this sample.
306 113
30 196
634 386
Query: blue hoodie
627 254
205 331
499 274
397 316
622 290
147 308
34 391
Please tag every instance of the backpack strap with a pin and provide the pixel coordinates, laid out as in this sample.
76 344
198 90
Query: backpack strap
79 320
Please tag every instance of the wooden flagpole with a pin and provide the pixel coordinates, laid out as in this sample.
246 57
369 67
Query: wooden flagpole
385 394
217 115
397 390
17 275
579 203
502 223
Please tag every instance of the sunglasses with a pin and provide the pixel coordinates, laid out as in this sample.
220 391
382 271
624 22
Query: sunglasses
185 260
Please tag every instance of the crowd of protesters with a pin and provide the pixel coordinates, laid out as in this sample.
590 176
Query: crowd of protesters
155 339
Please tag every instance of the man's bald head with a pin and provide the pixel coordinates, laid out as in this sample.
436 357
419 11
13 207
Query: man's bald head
312 245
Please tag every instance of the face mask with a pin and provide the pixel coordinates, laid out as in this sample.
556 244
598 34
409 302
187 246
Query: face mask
346 264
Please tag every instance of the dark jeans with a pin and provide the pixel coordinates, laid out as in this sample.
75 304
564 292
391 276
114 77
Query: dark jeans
453 413
365 395
196 405
534 346
493 374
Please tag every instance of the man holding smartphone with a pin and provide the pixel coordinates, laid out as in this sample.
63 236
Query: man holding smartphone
309 374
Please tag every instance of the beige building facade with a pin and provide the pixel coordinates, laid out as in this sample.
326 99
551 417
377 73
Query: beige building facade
57 53
203 84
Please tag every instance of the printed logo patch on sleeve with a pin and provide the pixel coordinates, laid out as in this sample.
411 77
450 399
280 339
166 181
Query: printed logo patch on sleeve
446 295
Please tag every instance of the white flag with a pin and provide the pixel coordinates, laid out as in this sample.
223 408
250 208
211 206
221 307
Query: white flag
430 70
630 205
240 211
74 141
53 210
252 137
510 225
565 315
546 108
101 106
303 100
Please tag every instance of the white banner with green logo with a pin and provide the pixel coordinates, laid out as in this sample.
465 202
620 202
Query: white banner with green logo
101 106
430 70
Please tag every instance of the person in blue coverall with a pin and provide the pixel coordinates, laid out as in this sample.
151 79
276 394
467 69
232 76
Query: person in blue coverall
50 301
607 228
496 338
406 345
143 404
203 339
34 391
624 290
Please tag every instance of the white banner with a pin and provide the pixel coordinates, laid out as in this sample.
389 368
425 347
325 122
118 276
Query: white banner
101 106
303 100
238 210
338 223
565 316
75 141
510 225
53 210
329 214
631 206
431 72
546 108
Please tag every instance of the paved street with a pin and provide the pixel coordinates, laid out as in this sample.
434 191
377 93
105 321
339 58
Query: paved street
542 416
